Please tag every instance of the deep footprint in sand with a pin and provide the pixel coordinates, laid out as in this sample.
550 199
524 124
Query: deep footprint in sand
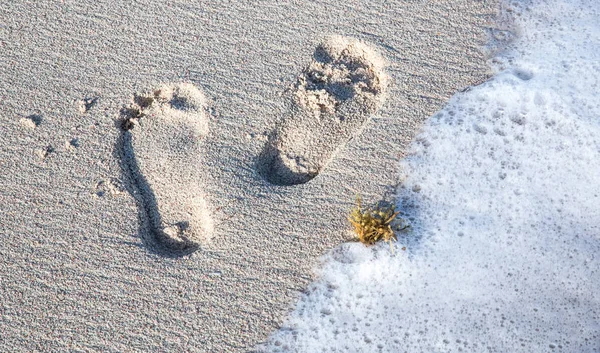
164 129
332 100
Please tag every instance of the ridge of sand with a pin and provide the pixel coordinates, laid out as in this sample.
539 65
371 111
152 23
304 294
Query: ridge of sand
76 273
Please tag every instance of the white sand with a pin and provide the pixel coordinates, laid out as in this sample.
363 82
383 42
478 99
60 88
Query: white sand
81 267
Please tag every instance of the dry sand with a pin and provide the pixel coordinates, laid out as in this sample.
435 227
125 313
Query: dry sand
107 242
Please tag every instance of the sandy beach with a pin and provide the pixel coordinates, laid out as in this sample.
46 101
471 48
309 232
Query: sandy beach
169 178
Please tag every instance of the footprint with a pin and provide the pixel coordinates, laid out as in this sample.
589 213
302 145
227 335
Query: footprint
332 100
163 131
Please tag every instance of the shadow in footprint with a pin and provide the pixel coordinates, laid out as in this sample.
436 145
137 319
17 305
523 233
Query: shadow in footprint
273 167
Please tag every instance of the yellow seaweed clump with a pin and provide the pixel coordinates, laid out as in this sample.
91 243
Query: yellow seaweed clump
373 224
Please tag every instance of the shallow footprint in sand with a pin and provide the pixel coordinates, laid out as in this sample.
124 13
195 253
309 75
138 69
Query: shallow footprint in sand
163 131
332 100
